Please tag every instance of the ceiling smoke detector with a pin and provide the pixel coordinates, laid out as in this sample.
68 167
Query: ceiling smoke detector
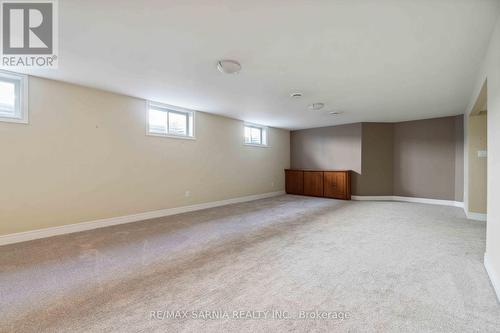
296 95
228 66
316 106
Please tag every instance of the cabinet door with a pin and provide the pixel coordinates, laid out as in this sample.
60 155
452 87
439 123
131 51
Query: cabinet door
336 185
313 183
294 182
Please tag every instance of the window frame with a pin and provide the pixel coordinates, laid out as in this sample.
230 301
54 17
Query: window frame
21 106
262 130
171 109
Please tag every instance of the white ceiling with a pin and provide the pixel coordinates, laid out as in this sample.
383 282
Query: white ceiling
385 60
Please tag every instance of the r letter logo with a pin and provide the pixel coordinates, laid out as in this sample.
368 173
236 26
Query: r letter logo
29 33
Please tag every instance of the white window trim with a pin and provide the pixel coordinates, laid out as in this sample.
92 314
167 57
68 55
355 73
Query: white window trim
23 99
263 128
172 108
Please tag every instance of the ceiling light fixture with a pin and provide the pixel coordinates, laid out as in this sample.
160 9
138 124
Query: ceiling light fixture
335 113
296 95
316 106
228 66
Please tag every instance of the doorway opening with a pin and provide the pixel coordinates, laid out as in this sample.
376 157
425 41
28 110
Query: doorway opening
478 154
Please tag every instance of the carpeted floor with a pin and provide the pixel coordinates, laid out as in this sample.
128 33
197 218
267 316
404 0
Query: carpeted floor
381 266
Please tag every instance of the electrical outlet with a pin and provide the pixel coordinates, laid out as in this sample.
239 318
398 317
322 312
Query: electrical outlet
272 184
482 153
187 194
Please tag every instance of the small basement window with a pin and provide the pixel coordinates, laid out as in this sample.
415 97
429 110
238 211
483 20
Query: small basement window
13 97
165 120
256 135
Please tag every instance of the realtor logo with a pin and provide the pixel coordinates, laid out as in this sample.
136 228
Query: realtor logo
29 33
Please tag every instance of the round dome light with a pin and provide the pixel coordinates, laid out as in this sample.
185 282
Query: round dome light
228 66
316 106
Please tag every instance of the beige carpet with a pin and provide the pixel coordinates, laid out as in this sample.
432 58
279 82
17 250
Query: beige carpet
386 267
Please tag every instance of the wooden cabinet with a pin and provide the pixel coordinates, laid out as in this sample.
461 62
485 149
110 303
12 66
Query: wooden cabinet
328 184
294 182
313 183
337 184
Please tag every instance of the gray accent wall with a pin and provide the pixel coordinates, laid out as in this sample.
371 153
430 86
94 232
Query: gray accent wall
377 160
330 148
426 158
422 158
459 158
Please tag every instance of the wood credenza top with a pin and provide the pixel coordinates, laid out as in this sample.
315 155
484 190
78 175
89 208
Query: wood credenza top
317 170
334 184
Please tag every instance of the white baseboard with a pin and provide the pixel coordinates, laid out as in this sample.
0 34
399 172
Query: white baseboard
494 277
476 216
71 228
409 199
372 198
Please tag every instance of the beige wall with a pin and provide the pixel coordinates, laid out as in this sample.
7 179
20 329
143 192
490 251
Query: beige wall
490 70
85 156
477 165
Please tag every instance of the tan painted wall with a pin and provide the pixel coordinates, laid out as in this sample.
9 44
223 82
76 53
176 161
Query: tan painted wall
477 165
85 156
